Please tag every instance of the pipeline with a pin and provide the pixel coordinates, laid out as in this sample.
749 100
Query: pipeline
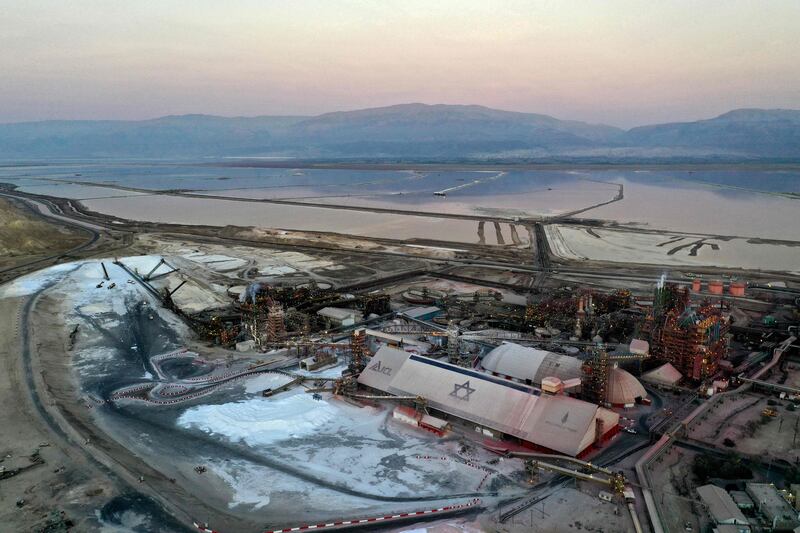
535 455
573 473
378 519
636 525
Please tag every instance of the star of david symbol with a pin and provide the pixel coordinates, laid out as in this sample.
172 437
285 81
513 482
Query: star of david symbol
457 391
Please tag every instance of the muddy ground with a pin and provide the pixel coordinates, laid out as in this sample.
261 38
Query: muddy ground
68 488
25 237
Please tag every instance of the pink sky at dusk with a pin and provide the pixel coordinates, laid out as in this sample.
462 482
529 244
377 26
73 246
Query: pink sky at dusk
619 62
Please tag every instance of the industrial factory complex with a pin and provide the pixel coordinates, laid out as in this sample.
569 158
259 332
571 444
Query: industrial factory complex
495 408
230 379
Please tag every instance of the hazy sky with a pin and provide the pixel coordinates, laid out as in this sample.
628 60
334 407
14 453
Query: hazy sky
619 62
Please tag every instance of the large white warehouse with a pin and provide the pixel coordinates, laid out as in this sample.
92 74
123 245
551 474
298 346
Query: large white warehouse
505 408
529 365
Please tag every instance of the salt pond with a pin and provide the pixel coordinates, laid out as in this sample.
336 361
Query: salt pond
737 202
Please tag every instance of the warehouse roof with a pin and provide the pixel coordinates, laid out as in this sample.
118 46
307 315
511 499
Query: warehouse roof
741 498
639 346
392 338
666 374
720 505
417 312
380 370
731 528
524 363
558 423
771 504
338 313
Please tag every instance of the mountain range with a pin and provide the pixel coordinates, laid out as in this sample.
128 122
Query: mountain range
411 132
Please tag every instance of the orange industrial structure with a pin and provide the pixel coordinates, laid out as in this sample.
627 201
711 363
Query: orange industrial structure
715 287
693 339
737 288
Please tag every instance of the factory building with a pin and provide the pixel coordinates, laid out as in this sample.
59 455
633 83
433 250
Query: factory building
693 339
423 313
772 506
495 407
721 507
531 366
336 317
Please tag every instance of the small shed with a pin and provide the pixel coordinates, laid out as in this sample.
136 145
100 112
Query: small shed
742 500
337 316
434 425
552 385
406 414
246 346
606 496
318 360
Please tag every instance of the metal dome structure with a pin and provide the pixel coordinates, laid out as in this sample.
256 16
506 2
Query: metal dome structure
530 365
623 388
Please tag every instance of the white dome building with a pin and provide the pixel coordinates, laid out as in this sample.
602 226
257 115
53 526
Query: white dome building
532 366
624 390
529 365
